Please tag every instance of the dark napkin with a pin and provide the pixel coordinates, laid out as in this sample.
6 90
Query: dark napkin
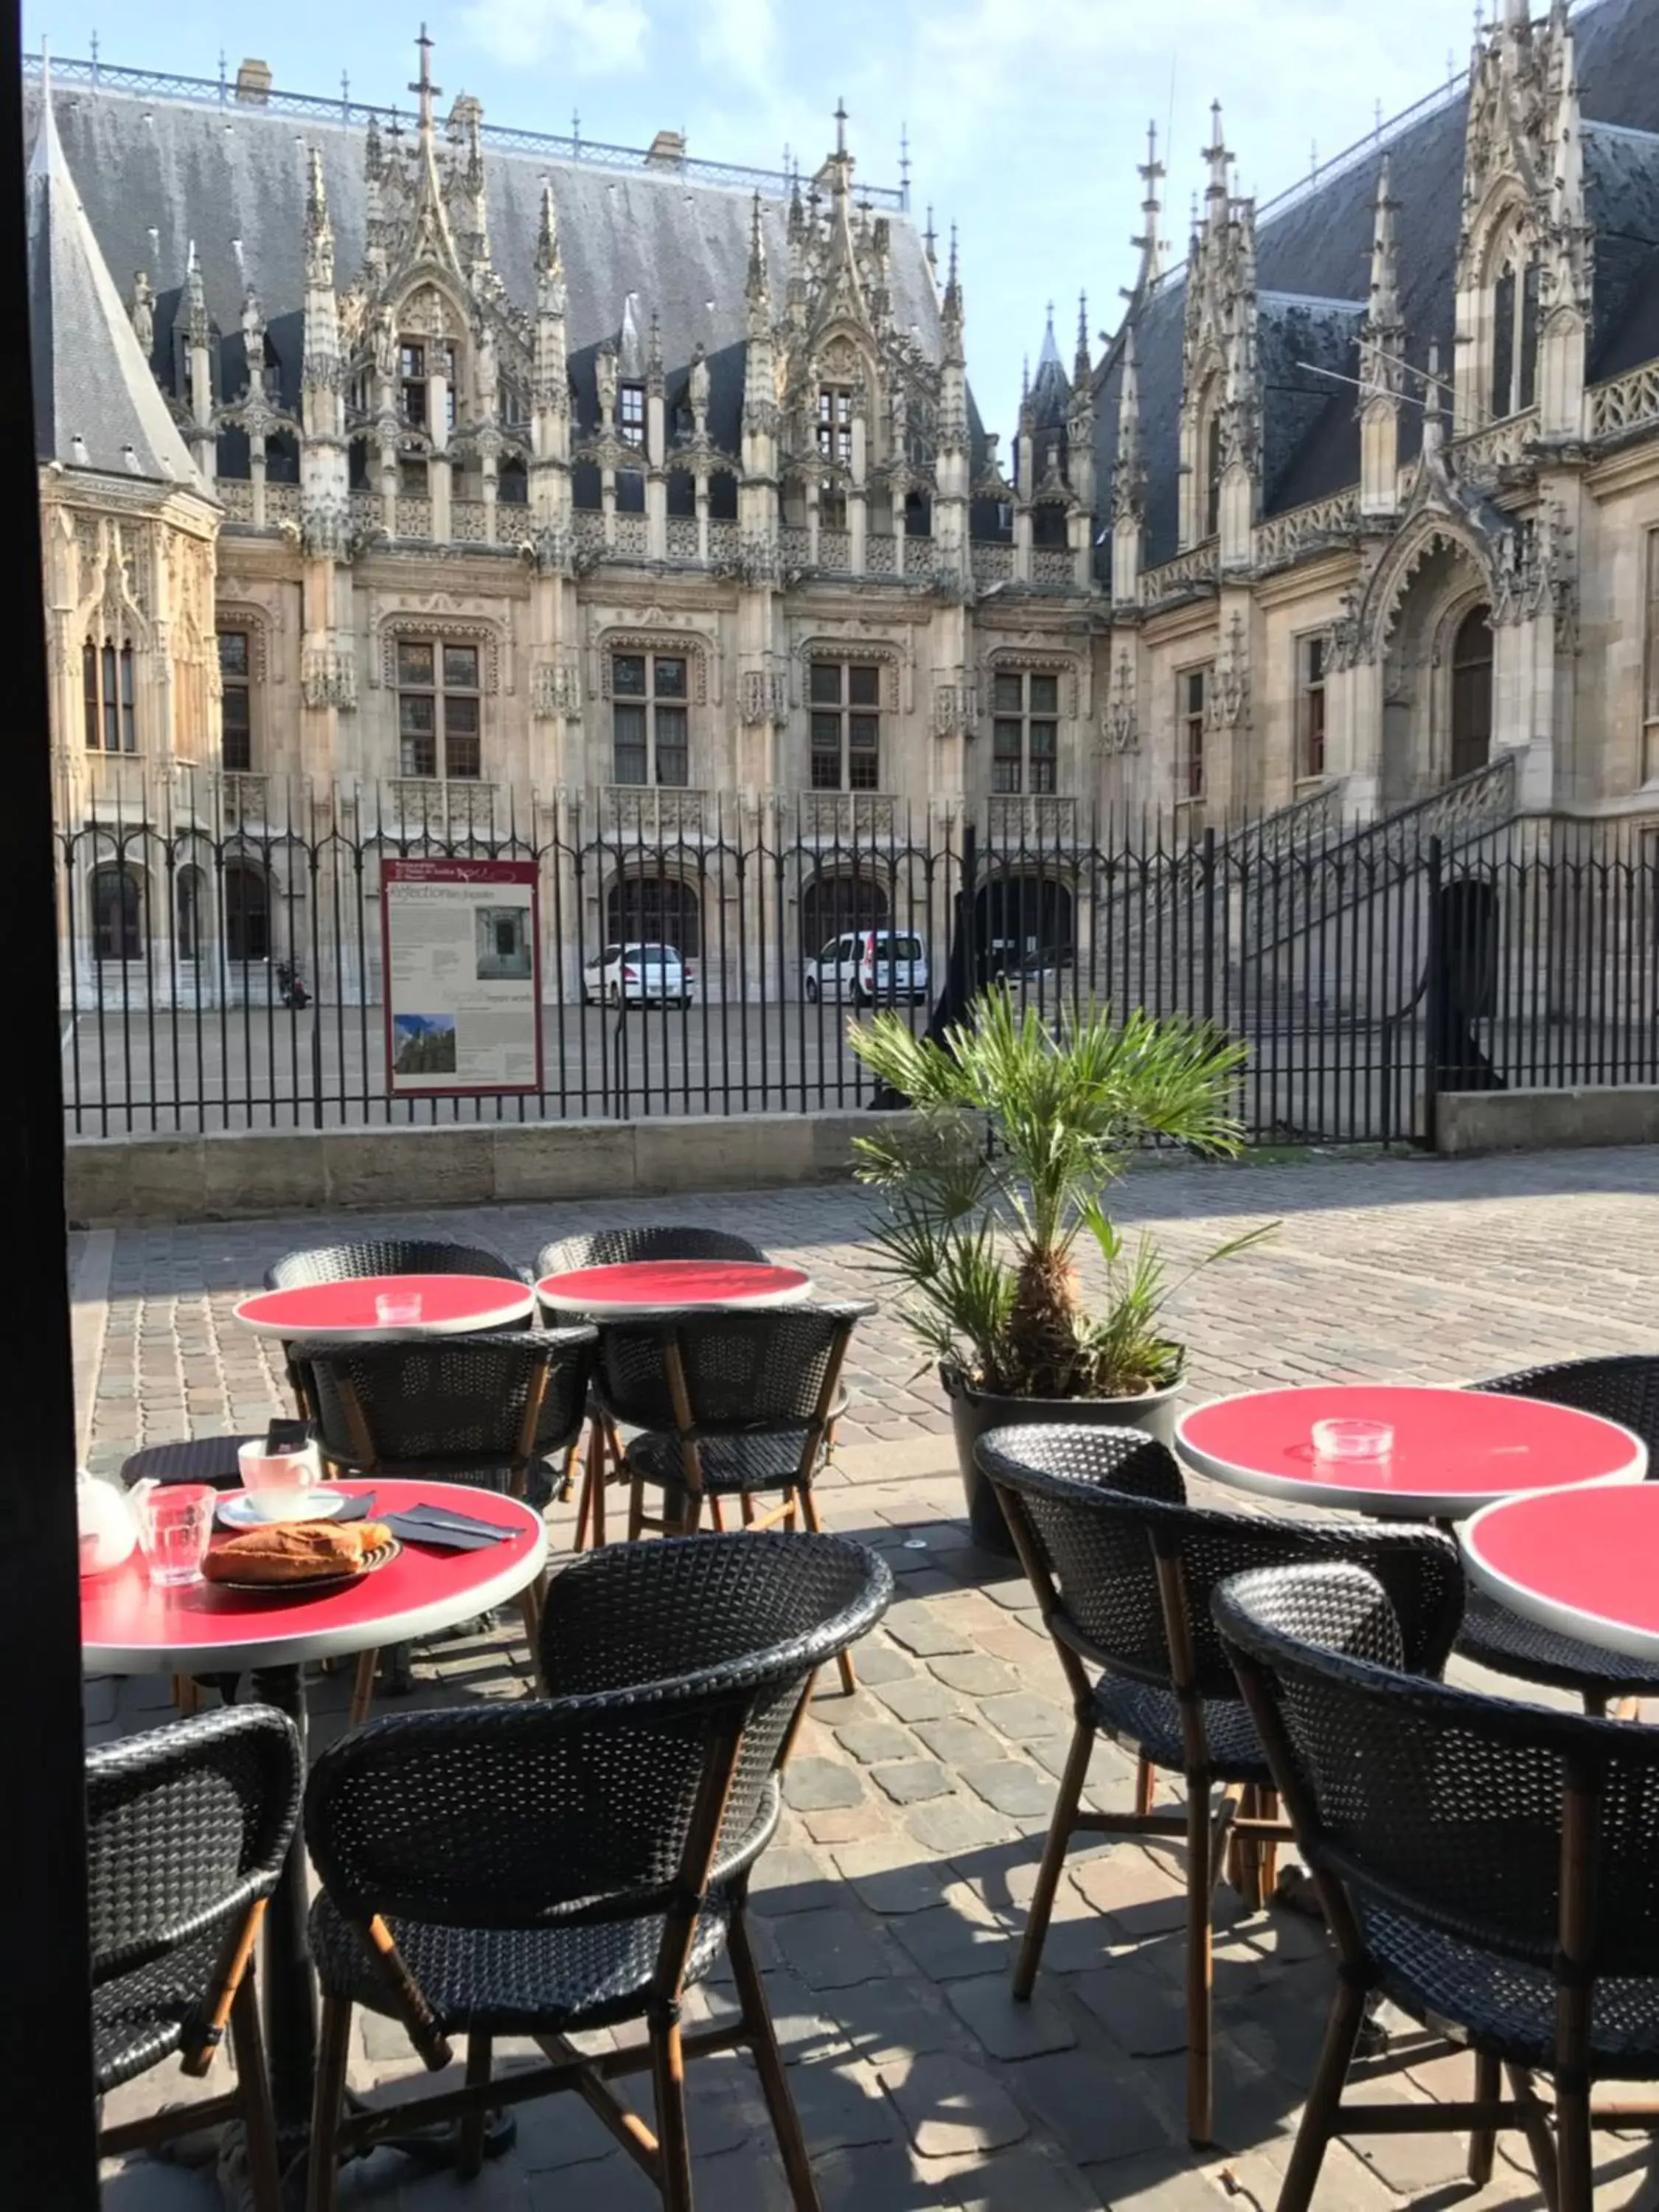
447 1533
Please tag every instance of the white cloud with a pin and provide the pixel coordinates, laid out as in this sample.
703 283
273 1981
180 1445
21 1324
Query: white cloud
590 36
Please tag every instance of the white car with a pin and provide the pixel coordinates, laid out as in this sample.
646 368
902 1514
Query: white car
870 967
636 976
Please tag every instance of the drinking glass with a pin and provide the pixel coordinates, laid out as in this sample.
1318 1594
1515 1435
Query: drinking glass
1350 1439
397 1309
175 1520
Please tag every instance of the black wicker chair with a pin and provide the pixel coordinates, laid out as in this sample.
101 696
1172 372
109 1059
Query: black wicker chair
1625 1389
488 1411
614 1247
1123 1568
388 1256
187 1827
575 1862
732 1404
1486 1865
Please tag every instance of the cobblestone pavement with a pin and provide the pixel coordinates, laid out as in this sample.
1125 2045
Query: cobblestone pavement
889 1908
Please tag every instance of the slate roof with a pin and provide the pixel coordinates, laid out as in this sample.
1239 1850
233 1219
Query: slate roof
96 404
1317 251
217 175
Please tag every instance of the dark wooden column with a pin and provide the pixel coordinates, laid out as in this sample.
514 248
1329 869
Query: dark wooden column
48 2151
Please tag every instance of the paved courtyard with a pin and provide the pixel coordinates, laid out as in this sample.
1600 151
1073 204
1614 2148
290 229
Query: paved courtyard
888 1910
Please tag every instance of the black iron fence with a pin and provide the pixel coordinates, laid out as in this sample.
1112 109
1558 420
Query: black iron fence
220 962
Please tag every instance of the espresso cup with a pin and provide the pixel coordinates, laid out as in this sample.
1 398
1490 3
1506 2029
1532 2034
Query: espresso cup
277 1484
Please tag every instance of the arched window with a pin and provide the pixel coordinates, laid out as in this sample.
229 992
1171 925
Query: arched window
831 905
1514 333
247 912
187 913
654 910
1471 696
1213 470
117 914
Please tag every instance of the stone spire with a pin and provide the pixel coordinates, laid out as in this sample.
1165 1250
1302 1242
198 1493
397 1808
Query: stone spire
430 237
760 381
1150 244
550 262
374 232
1082 368
1381 348
1219 190
1080 420
1564 287
758 291
320 230
1384 331
1129 479
199 338
951 314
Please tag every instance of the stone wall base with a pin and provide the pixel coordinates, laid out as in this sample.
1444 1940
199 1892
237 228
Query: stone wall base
233 1173
1545 1121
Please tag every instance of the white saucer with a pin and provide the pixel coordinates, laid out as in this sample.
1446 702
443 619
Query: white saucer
236 1510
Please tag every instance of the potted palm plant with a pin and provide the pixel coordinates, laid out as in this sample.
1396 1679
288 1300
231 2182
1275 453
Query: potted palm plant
989 1185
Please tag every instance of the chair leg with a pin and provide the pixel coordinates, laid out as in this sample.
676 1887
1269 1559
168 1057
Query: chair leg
1266 1802
529 1612
717 1516
1483 2141
186 1696
1540 2141
768 2064
1054 1858
327 2101
258 2117
1244 1853
635 1509
600 1453
809 1506
1146 1787
1575 2157
468 2155
1201 2120
674 2144
1313 2138
362 1694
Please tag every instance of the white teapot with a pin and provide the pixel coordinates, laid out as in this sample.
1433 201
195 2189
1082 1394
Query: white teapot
109 1526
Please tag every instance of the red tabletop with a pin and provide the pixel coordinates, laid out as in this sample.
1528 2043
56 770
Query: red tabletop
1582 1562
1454 1450
449 1305
646 1286
129 1627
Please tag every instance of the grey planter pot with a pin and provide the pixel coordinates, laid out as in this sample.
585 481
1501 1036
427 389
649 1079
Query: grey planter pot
975 1413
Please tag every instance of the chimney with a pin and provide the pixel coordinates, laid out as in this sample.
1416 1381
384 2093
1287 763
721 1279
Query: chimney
667 150
253 83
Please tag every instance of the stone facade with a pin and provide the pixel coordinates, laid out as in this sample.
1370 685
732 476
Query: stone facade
579 498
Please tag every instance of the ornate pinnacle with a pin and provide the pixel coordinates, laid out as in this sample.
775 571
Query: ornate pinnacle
1082 368
547 240
320 230
756 252
423 86
1150 244
198 328
1216 156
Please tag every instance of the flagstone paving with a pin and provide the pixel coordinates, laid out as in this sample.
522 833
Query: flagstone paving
889 1909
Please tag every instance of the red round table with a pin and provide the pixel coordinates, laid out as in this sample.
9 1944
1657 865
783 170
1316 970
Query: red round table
129 1627
647 1287
1454 1450
1584 1563
449 1305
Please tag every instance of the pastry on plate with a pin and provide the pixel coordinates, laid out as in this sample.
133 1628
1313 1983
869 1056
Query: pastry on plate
296 1551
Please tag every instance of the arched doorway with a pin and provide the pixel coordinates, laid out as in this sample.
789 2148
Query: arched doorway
117 914
247 912
654 910
1025 919
832 905
187 913
1471 693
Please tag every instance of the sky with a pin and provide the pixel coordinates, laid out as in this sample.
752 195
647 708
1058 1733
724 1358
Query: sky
1025 119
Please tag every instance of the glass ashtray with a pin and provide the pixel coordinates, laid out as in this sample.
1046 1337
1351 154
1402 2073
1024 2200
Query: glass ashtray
1352 1439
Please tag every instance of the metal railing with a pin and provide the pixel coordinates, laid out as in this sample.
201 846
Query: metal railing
1315 941
222 91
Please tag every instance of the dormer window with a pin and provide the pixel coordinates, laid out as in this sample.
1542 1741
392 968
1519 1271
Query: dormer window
1514 339
418 363
835 424
631 413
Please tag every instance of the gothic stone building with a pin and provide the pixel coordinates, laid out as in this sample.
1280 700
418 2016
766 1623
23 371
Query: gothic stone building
436 481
